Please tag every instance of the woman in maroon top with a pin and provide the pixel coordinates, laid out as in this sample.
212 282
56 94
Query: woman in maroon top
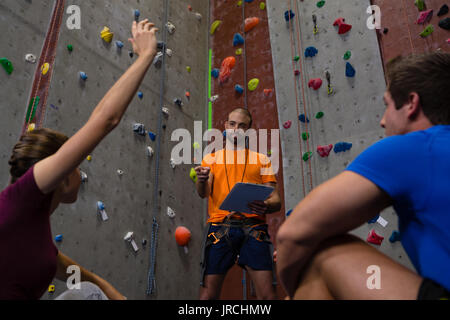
44 170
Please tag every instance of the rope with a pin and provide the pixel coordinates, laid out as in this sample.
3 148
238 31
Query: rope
293 54
151 275
409 29
245 57
303 91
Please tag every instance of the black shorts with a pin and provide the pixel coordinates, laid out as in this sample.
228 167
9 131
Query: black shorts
430 290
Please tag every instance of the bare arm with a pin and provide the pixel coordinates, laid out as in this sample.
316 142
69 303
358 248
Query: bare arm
86 276
50 172
336 207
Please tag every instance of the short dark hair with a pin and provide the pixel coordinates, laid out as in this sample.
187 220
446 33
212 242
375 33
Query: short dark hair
244 112
429 76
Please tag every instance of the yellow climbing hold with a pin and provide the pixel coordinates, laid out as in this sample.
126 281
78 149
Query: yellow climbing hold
107 35
51 289
253 84
193 175
262 5
45 67
239 51
196 145
31 127
214 26
239 3
89 158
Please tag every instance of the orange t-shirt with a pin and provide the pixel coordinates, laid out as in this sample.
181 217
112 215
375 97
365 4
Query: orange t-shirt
258 171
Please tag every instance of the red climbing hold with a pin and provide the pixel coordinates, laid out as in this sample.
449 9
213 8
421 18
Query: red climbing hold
297 72
374 238
268 92
182 236
343 27
425 16
315 83
324 151
225 70
251 23
287 124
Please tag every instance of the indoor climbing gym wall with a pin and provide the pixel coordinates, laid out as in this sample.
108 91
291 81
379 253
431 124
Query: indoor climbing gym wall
127 186
330 85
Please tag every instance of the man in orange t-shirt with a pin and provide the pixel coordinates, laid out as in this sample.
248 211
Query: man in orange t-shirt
248 242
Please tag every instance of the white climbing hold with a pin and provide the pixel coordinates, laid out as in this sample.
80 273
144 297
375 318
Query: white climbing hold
198 16
171 212
169 52
150 152
31 58
166 111
84 177
214 98
172 163
382 222
120 172
101 210
129 237
170 27
157 62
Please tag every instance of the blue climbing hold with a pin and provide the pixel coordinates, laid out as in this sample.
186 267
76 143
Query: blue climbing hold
239 89
119 44
303 118
59 238
311 52
215 73
342 147
349 70
249 1
224 133
374 220
83 76
289 213
140 95
152 136
395 236
237 40
137 14
289 15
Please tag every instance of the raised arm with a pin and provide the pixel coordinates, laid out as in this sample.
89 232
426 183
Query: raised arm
334 208
50 172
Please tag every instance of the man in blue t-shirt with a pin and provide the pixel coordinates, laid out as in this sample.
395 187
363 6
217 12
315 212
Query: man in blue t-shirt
409 170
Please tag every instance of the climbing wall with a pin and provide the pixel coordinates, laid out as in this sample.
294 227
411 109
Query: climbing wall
145 188
350 114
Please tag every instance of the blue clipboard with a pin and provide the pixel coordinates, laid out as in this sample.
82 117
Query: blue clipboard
243 194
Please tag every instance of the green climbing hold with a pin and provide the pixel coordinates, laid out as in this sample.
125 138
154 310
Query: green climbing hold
70 48
296 58
307 156
253 84
347 55
32 109
193 175
420 4
305 136
7 65
239 51
196 145
320 4
262 5
239 3
320 115
427 31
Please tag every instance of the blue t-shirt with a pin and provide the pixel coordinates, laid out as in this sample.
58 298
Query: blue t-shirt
414 169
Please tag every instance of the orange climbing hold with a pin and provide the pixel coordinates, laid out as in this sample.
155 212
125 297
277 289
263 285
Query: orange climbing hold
182 236
225 70
251 23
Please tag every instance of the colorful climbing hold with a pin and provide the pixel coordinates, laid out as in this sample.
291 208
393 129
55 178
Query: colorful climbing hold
302 118
320 115
445 23
427 31
443 10
305 136
268 92
395 236
70 47
31 127
119 44
307 156
320 4
140 95
253 84
425 16
187 94
107 35
374 238
51 289
152 136
89 158
311 52
214 26
342 147
137 14
83 76
215 73
239 89
225 70
315 83
287 124
31 111
45 68
289 15
262 5
239 51
238 40
347 55
251 23
188 69
182 236
420 4
59 238
324 151
297 72
343 27
193 175
349 70
374 220
296 58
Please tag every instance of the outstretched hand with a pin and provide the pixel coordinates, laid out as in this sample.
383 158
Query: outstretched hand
144 38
